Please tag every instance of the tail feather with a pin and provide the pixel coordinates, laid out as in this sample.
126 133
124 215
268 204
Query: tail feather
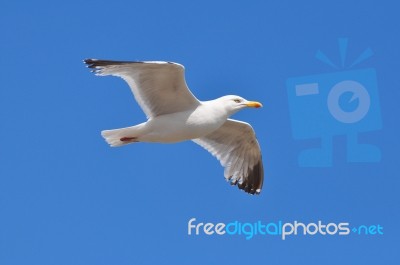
117 137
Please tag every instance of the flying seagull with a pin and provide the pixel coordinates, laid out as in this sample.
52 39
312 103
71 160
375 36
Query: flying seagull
174 114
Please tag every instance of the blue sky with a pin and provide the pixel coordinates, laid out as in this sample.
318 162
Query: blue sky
67 198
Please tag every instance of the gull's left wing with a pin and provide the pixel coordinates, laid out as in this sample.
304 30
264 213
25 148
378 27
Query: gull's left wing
235 145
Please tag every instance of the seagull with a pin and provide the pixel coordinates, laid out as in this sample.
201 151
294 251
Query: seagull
174 114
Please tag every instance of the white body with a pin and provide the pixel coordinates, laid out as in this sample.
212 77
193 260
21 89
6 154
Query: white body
176 127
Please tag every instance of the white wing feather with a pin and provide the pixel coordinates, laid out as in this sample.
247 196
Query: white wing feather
158 87
235 145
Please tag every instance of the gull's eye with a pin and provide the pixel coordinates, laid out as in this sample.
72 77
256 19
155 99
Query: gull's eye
237 100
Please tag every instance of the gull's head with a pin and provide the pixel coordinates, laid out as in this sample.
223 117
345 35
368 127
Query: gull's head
234 103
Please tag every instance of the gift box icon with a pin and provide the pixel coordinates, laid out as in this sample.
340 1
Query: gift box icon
343 102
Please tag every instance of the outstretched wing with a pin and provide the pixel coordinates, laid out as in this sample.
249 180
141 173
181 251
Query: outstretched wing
158 87
235 145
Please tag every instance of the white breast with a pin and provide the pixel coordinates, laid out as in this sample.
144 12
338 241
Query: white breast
183 126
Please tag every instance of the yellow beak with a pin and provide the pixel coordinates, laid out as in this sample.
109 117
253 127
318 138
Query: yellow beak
254 104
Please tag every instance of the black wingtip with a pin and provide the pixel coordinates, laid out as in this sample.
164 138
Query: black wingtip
254 182
95 63
90 63
88 60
